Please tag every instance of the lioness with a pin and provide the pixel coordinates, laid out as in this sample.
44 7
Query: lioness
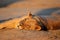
32 22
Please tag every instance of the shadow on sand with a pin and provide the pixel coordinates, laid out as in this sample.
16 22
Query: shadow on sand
4 3
48 11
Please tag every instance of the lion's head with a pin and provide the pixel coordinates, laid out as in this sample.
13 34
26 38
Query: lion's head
29 23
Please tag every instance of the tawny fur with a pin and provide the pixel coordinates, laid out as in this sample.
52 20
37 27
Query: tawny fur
31 22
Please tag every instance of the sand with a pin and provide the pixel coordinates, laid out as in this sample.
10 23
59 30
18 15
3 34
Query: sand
15 34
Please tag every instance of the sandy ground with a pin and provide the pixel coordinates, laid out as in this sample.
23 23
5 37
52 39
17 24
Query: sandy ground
15 34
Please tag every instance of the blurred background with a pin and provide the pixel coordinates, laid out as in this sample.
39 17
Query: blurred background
18 8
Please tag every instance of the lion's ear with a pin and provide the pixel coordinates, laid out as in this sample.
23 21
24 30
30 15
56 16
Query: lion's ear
29 14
